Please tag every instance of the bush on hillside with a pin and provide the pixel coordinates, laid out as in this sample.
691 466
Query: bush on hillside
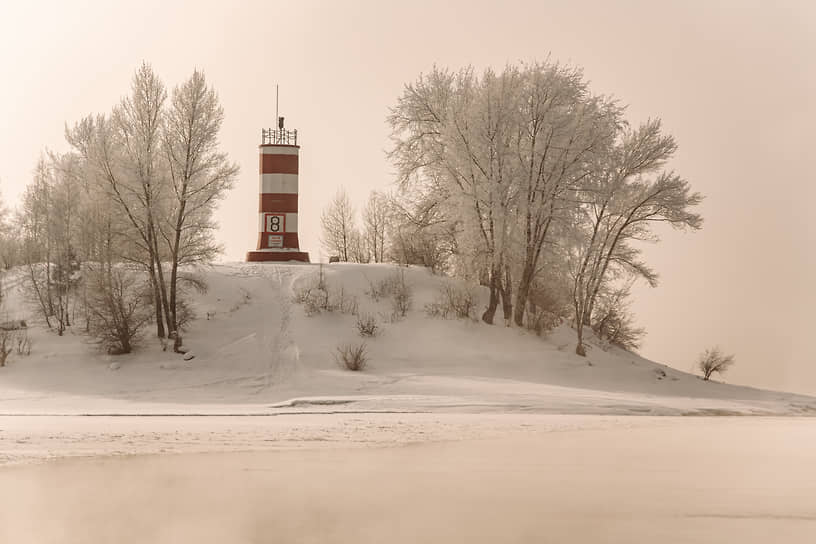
22 343
453 301
547 304
367 325
318 296
613 320
397 289
713 360
387 286
402 296
352 356
541 321
119 308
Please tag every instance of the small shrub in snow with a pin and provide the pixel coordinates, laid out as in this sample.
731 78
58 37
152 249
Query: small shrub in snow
374 290
22 342
246 298
314 296
614 323
380 289
313 299
344 303
401 303
367 325
317 297
301 294
352 356
541 321
390 285
713 360
453 301
402 295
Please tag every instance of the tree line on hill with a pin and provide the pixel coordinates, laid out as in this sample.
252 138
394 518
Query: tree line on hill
529 184
522 180
104 230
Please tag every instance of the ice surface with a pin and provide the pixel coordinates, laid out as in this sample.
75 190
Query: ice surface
476 479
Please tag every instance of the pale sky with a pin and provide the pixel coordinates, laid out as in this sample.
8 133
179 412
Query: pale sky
734 82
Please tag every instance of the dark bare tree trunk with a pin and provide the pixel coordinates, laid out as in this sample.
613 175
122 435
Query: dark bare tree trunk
523 292
579 348
495 286
160 330
507 297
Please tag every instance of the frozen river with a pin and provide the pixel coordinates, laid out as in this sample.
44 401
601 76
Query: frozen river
408 479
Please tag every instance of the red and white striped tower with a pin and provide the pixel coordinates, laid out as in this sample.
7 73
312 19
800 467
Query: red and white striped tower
278 200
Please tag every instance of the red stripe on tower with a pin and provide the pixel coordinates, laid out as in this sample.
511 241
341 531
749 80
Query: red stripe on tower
278 198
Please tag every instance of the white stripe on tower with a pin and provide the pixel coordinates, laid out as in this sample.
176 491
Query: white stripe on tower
279 150
279 183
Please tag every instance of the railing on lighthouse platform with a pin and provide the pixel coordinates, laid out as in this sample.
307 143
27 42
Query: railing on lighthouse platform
278 137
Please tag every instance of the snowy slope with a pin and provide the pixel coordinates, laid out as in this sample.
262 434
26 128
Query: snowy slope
256 351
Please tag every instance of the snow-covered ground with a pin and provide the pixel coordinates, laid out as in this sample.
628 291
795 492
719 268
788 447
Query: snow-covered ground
257 352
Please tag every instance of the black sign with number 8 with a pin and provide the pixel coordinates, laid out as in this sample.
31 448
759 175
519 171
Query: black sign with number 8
274 223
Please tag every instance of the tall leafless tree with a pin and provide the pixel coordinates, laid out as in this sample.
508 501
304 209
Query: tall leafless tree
375 221
337 225
626 198
200 176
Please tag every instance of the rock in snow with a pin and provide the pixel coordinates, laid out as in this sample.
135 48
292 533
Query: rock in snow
116 365
189 356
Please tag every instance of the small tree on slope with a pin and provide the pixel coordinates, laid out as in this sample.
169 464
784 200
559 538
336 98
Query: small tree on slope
713 360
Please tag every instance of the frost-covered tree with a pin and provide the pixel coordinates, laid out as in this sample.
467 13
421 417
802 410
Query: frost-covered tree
158 162
420 233
48 221
200 175
123 153
359 251
623 200
457 131
137 192
375 223
337 225
540 183
142 187
563 131
9 240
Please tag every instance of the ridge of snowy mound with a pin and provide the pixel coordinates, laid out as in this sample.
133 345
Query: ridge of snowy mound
260 348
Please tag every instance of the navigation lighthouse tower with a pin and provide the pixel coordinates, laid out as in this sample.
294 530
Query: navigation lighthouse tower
278 199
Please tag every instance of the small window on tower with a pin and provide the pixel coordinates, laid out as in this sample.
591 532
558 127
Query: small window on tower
275 240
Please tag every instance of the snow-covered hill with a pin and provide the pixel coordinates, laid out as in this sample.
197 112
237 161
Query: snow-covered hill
257 351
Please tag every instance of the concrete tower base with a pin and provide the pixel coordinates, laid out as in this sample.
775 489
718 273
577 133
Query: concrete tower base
276 256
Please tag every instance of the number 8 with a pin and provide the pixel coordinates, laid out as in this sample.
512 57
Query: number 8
273 223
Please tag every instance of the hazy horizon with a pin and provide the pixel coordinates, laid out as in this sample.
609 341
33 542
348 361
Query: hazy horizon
732 81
